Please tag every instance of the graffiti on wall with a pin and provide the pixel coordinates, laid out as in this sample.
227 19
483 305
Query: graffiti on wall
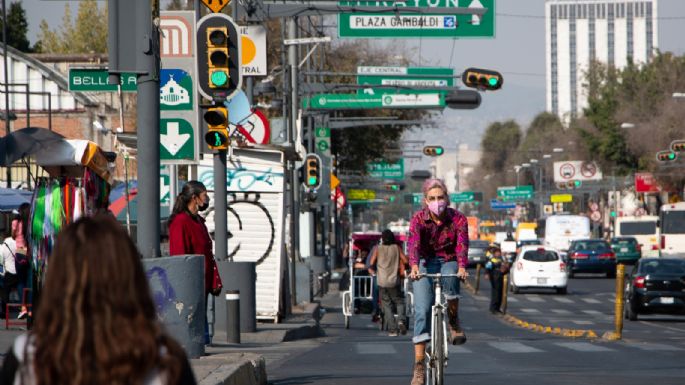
244 179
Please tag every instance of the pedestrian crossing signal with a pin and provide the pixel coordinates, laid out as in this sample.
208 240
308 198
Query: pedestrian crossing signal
217 128
482 79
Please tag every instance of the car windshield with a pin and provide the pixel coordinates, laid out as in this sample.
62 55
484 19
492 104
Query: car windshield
591 245
540 256
663 267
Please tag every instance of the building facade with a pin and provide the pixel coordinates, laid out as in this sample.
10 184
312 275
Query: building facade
579 32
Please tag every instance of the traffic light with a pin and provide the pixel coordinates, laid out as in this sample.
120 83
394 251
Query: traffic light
666 156
217 128
433 150
678 146
218 57
482 79
572 184
312 171
394 186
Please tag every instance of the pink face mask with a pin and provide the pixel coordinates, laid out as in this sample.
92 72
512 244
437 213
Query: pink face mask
437 207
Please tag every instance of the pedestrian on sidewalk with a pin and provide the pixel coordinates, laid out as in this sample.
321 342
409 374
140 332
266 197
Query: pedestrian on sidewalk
10 278
189 235
495 270
20 225
438 243
97 323
387 264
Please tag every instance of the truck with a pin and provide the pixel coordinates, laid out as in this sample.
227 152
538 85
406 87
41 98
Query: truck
644 228
526 231
672 220
560 230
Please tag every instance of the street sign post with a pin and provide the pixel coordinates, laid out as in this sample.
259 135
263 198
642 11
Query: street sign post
392 25
359 102
512 193
384 170
95 79
403 77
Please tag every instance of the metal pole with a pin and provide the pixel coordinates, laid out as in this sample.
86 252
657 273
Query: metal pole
220 207
618 316
456 172
148 133
7 89
479 267
294 186
233 316
249 89
505 284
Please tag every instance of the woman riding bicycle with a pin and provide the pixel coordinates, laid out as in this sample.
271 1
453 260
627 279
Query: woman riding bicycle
438 243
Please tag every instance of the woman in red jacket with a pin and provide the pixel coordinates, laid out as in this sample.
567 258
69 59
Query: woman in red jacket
188 233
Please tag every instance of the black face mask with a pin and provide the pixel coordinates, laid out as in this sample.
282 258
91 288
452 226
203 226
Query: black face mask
204 206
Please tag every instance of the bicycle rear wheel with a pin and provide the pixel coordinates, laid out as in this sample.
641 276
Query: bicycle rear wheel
438 350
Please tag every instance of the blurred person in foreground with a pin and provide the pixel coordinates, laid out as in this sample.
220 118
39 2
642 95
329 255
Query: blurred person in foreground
438 243
97 322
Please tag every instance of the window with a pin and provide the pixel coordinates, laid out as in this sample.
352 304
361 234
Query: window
637 228
540 255
666 266
672 222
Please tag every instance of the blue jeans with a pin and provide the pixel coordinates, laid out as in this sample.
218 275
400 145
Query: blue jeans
423 294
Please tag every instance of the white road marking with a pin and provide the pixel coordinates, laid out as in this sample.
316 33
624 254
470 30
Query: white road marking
530 310
514 347
563 300
481 298
561 311
458 350
583 322
656 347
512 299
590 300
593 312
535 298
584 347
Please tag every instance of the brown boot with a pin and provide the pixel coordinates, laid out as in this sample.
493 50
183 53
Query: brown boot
457 336
419 373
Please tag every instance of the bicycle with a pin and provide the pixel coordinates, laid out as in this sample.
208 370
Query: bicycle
437 354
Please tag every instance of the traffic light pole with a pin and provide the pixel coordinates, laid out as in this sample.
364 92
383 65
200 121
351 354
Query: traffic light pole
220 207
294 186
147 122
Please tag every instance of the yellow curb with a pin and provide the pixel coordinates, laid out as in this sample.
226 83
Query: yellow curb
590 334
572 333
548 329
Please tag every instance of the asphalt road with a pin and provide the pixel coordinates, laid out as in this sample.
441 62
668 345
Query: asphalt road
499 352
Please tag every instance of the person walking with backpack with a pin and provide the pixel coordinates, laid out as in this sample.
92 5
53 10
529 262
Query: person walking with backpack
389 261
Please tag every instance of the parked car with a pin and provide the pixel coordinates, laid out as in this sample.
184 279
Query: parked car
627 249
538 267
477 251
591 256
656 285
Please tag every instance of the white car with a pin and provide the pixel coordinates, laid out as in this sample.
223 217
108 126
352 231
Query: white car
538 267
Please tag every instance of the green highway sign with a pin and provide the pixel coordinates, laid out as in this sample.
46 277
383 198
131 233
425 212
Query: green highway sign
357 102
95 80
413 25
511 193
403 77
384 170
462 197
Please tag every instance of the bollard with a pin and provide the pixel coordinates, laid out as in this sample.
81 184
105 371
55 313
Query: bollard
505 284
618 308
233 316
478 268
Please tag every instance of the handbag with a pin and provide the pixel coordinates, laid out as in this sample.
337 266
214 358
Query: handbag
217 285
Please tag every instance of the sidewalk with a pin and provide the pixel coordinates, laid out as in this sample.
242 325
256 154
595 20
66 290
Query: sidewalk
229 364
233 364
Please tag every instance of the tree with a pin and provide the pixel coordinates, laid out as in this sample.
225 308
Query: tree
17 27
500 142
88 34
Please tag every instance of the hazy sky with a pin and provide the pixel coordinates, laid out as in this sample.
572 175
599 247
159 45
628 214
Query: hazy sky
518 51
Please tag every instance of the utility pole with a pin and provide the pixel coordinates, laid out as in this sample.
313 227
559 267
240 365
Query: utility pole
294 185
7 82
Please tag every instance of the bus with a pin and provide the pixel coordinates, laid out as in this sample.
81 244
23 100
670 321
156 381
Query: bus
644 229
672 220
560 230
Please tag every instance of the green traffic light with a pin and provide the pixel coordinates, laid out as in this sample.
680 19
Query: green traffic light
671 156
613 214
439 150
219 78
392 199
577 183
218 140
493 81
312 180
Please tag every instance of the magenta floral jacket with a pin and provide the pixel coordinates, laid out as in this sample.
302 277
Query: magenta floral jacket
449 239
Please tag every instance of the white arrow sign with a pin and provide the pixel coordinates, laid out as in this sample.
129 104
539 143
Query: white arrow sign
172 140
475 19
164 189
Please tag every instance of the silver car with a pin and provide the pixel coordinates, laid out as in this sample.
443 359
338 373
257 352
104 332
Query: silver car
477 251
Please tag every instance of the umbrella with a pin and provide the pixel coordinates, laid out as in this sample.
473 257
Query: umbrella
11 199
26 141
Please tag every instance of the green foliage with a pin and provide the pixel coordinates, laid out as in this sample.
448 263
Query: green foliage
17 27
498 143
87 34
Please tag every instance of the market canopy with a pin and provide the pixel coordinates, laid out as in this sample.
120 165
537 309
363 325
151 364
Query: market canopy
65 157
11 199
25 142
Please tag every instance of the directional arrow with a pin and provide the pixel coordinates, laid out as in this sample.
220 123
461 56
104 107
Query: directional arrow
172 140
475 19
164 189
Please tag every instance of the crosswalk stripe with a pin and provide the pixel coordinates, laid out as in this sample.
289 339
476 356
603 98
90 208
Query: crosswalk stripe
530 310
657 347
375 348
593 312
534 298
590 300
561 311
582 322
512 299
584 347
563 300
458 350
514 347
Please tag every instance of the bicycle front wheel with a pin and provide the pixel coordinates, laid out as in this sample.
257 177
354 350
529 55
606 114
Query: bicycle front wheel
438 350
